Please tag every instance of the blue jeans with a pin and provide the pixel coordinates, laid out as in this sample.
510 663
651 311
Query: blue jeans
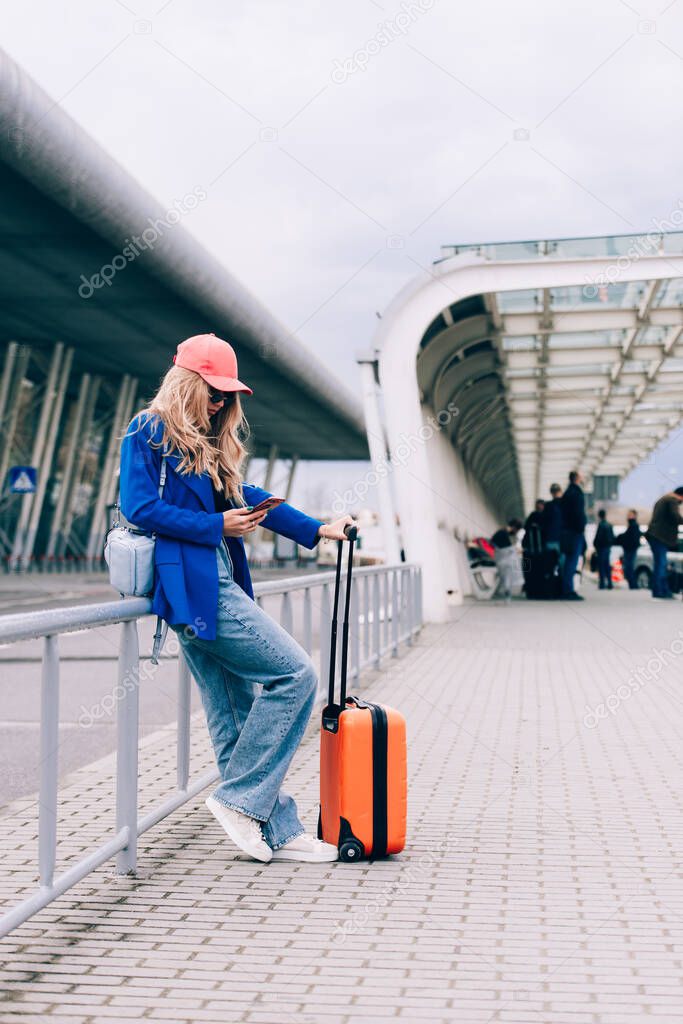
628 561
604 568
571 562
554 545
258 688
660 580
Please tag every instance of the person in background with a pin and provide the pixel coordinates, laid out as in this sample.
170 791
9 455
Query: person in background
551 523
506 557
604 540
505 536
629 541
532 541
662 536
573 526
535 518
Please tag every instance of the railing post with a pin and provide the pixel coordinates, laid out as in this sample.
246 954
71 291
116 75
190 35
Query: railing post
415 622
385 580
354 627
183 737
398 586
395 614
376 635
308 622
49 772
325 626
416 601
286 616
407 592
127 746
366 619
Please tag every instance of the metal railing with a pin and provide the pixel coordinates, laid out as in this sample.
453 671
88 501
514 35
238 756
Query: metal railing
386 610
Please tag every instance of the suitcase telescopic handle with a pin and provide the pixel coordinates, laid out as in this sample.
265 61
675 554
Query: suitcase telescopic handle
351 532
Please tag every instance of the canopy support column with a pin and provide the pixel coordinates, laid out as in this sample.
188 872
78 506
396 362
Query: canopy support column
378 456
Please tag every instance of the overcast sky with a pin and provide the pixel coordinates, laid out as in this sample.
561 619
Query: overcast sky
340 152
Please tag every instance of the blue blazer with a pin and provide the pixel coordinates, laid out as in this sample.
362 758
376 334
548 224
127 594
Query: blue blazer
188 529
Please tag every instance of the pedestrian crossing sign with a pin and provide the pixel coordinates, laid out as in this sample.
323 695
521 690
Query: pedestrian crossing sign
22 479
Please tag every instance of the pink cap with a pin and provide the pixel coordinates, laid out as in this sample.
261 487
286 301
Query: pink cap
213 359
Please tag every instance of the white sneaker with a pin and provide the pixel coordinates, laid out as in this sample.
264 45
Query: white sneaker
244 831
306 847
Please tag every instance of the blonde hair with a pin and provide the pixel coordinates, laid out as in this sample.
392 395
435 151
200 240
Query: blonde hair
212 445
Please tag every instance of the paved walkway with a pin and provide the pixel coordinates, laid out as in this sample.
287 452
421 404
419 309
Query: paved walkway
542 882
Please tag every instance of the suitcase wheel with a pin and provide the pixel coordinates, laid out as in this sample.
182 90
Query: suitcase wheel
350 850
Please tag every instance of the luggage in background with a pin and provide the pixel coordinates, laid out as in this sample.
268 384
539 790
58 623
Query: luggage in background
541 578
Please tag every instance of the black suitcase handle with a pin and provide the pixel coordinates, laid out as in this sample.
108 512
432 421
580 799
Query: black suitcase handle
351 532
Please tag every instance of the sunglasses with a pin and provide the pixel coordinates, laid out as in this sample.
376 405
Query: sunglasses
220 396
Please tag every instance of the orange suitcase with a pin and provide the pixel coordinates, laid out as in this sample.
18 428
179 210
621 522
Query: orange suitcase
363 769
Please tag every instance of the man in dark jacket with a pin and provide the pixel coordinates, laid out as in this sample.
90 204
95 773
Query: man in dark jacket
662 536
573 526
551 525
604 539
533 525
629 541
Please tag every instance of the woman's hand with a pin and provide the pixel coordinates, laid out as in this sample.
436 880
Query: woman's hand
239 521
335 530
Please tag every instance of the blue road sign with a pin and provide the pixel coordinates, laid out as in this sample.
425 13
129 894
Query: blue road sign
22 479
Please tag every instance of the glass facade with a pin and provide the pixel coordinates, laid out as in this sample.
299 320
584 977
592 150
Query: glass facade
652 243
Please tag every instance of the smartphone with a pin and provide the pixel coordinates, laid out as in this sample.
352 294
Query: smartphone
267 504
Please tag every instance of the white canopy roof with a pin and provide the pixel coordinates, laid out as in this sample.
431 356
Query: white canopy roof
584 375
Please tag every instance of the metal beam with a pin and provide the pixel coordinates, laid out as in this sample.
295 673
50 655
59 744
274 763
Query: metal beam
97 524
270 467
87 430
8 425
65 489
584 321
37 452
46 460
290 476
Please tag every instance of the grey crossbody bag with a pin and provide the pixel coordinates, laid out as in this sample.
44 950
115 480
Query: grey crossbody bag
129 554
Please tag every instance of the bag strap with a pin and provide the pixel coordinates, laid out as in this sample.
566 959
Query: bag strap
162 475
162 481
159 639
162 626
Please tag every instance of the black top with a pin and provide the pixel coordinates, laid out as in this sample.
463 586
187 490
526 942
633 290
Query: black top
630 538
221 503
534 518
531 541
574 509
552 521
501 539
604 536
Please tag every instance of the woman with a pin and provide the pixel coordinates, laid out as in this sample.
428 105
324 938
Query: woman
506 558
203 590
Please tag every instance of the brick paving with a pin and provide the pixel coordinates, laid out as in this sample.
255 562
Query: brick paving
542 881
